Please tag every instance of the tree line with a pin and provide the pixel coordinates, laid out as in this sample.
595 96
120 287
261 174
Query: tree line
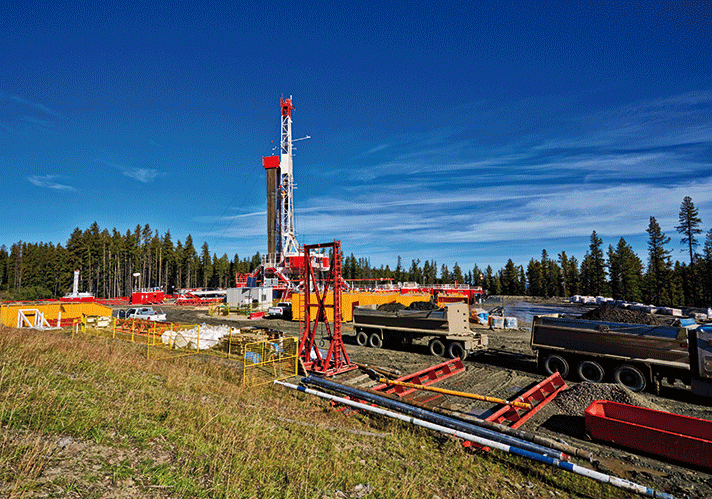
616 272
108 261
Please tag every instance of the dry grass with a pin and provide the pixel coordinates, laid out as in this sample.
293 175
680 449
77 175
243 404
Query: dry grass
89 417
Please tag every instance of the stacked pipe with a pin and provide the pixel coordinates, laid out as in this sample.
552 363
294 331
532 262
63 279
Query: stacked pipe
545 458
432 417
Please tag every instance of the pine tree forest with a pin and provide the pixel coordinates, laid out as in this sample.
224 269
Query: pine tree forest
107 262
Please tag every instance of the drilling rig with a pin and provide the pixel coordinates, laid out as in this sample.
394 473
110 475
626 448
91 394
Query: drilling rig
283 263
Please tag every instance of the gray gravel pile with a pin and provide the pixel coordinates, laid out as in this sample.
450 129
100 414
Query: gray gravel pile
575 400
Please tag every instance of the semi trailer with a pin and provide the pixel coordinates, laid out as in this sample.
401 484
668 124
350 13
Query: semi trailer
447 328
634 355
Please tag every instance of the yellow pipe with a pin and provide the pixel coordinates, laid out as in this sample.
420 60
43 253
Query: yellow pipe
522 405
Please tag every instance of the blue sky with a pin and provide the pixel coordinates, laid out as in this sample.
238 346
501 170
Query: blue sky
439 130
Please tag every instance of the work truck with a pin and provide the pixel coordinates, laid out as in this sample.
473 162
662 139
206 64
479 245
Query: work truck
145 313
636 356
447 328
283 310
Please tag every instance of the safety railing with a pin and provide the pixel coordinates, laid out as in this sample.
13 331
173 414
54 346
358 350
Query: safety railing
265 354
266 361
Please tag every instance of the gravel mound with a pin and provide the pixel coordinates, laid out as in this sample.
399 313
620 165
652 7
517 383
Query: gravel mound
391 307
610 313
422 305
416 305
575 400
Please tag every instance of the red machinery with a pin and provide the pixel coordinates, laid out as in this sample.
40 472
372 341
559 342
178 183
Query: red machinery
336 360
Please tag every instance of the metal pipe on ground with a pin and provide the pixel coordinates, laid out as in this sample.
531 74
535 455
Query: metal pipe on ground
574 468
514 432
433 417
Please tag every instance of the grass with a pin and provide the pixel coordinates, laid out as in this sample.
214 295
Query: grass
80 416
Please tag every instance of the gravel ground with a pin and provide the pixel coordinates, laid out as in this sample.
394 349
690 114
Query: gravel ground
508 369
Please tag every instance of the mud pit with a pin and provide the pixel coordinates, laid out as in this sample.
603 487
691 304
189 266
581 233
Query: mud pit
506 370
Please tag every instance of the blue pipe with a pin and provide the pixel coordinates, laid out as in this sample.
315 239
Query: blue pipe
574 468
434 417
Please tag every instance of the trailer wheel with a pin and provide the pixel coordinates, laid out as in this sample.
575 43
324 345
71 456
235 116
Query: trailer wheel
375 340
437 348
631 377
361 338
456 349
590 371
554 363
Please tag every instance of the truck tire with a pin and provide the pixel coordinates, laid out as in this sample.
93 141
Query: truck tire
554 362
362 338
590 371
437 348
456 349
631 377
375 340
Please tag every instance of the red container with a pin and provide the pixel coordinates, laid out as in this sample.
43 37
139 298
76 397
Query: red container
679 438
147 298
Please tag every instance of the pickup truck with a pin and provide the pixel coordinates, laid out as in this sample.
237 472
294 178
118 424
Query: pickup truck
283 310
145 313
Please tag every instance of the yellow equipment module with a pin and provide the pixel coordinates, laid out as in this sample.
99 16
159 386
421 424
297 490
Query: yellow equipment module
351 300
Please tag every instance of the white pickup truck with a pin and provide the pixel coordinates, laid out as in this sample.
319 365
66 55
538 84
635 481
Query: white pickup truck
283 310
145 313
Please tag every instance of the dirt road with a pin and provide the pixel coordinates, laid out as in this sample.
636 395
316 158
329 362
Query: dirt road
507 369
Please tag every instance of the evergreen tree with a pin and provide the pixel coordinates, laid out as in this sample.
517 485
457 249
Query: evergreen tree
555 279
574 278
658 264
427 273
707 269
206 271
626 272
415 274
187 262
457 274
445 277
4 255
545 284
565 274
689 226
398 272
489 282
596 266
477 276
535 278
510 279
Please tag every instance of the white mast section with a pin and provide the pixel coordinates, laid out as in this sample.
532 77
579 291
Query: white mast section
289 245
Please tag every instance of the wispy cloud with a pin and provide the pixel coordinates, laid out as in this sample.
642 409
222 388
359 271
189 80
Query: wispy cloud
36 105
49 182
39 123
144 175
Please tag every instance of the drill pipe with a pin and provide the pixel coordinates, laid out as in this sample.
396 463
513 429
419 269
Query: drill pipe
574 468
433 417
531 437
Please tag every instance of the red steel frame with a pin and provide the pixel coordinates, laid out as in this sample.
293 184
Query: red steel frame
538 396
336 360
427 376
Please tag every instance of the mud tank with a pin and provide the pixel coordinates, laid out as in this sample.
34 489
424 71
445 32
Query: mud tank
448 329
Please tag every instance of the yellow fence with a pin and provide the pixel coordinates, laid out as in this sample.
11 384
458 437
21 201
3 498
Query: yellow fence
265 357
269 360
